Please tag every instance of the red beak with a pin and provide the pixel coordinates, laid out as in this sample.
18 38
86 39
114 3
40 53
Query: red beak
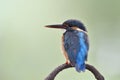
56 26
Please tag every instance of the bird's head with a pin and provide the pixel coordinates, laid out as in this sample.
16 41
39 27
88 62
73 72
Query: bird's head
68 25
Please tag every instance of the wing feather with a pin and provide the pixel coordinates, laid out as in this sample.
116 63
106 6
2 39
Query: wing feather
72 44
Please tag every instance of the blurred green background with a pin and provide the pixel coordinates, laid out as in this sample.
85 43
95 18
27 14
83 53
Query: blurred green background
28 51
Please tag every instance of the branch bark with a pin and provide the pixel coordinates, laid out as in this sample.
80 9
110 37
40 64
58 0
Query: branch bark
89 67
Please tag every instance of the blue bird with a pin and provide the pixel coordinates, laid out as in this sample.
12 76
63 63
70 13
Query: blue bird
75 43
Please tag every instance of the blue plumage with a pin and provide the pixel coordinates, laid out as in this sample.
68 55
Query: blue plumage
76 46
75 43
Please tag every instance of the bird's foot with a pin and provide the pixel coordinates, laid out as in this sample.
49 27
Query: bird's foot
67 62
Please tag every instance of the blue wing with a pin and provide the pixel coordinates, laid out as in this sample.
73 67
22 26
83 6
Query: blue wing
76 45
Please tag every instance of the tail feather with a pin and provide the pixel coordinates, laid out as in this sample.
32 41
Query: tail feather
80 63
80 67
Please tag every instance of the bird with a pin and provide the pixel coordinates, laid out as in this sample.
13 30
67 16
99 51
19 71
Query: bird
75 43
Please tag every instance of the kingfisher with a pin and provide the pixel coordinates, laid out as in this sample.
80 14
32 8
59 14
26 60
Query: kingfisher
75 43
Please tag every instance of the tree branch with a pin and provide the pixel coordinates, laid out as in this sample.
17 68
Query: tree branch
91 68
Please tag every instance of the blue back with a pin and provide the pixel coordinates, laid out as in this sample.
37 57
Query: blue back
76 45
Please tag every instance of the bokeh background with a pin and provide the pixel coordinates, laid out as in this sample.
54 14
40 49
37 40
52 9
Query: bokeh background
29 51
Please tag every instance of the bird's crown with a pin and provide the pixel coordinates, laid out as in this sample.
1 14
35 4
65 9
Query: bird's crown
74 23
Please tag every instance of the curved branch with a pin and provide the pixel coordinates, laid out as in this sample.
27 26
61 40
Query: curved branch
91 68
